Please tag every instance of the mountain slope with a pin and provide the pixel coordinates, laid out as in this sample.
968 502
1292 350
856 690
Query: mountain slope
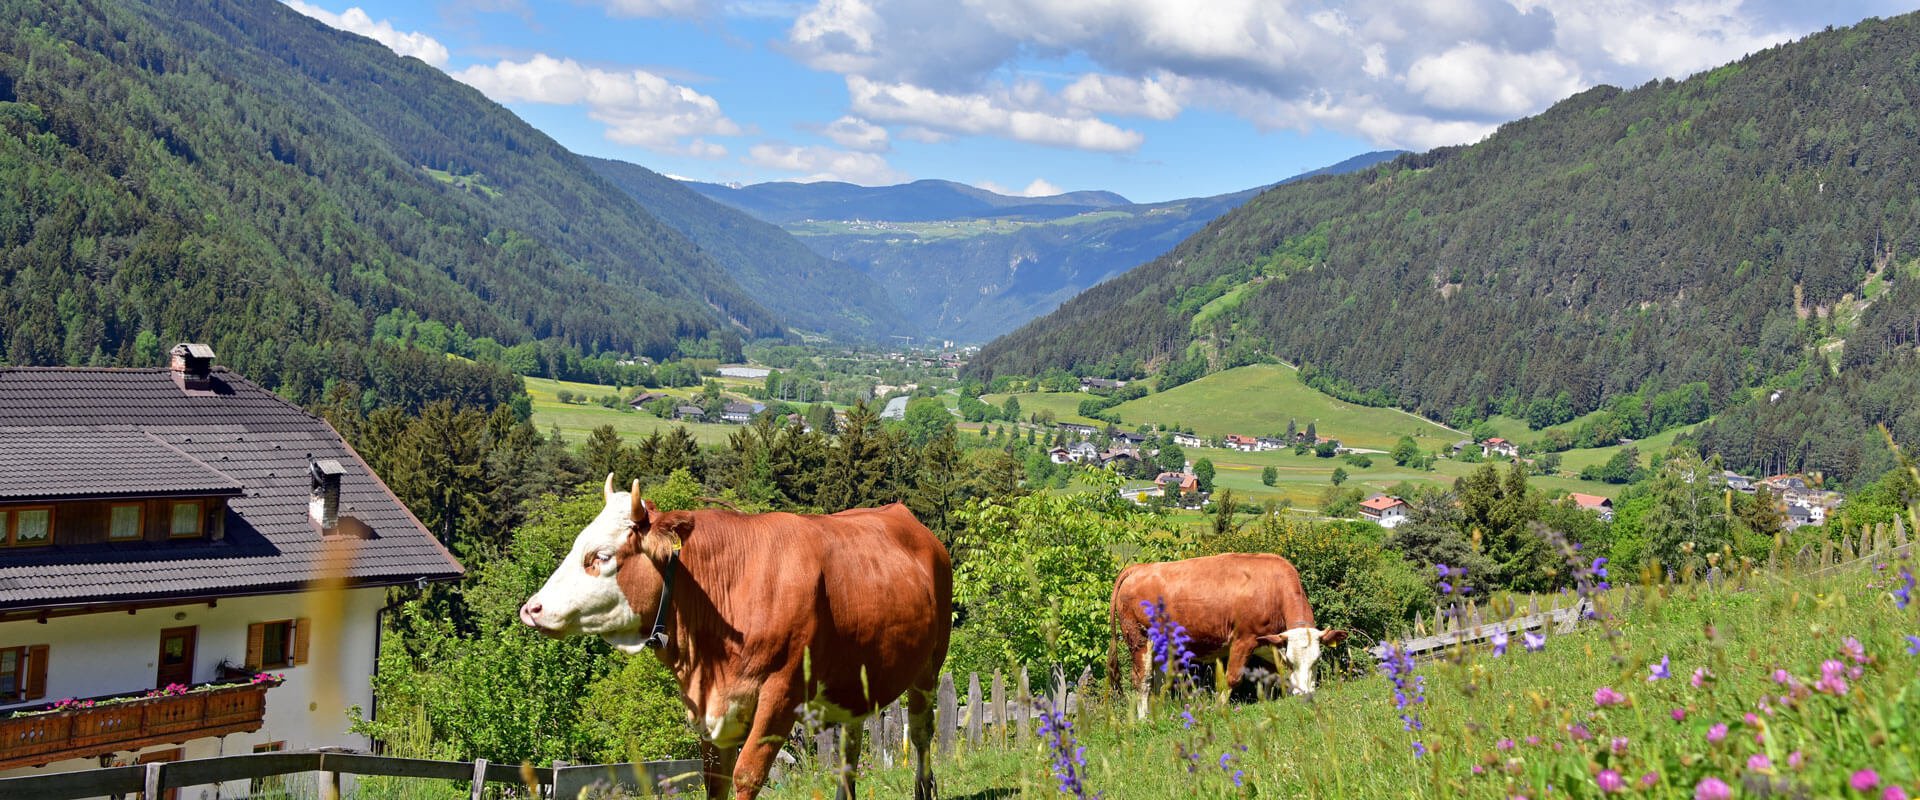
233 172
796 283
976 264
920 201
1704 230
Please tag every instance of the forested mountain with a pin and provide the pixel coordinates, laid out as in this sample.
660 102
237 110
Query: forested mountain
974 264
233 172
1733 228
804 288
920 201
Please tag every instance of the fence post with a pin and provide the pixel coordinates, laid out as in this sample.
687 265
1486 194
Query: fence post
1023 702
974 707
876 725
824 750
479 779
153 779
328 780
945 717
999 707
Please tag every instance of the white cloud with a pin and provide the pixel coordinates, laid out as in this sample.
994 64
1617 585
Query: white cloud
1007 114
356 20
1408 73
1476 78
1041 188
854 133
817 163
638 107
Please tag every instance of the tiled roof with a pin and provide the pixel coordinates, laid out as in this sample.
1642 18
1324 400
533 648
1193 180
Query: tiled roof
1589 500
1381 502
237 431
97 463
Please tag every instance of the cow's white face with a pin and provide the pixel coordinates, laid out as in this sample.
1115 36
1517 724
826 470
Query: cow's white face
583 595
1300 648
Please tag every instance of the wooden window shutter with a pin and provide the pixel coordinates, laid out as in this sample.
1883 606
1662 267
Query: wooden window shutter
256 645
302 636
36 684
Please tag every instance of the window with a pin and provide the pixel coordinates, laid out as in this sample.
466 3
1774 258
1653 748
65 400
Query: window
185 519
278 644
23 673
125 521
25 527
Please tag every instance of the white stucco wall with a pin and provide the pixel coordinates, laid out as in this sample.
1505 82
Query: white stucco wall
116 652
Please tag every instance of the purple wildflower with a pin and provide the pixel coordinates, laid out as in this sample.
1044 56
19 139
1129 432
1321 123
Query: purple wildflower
1605 696
1419 749
1186 718
1711 788
1499 643
1717 733
1535 641
1903 596
1660 671
1913 645
1069 758
1503 745
1864 780
1169 639
1619 745
1831 680
1610 781
1579 732
1853 650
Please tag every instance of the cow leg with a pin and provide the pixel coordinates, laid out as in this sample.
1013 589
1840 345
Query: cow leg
1143 681
773 719
717 766
1235 666
920 731
852 736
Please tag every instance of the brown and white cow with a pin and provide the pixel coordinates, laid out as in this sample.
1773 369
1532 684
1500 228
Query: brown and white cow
764 613
1230 604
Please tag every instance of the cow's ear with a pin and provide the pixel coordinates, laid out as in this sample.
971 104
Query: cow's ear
669 531
1332 637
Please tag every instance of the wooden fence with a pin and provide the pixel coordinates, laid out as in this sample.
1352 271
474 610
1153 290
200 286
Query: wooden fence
561 780
996 709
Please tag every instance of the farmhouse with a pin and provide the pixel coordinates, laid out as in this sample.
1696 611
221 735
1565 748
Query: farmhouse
1074 429
1500 447
1059 455
1100 384
1188 440
1387 510
739 413
1244 444
1594 503
643 398
163 533
689 413
1083 452
1266 443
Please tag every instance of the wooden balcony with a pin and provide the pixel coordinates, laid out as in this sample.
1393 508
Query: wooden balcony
129 722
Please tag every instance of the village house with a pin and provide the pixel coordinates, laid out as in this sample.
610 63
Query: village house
689 413
1100 384
1083 452
1244 444
1189 440
1077 430
186 514
640 400
740 413
1059 455
1266 443
1497 446
1134 439
1594 503
1182 485
1387 510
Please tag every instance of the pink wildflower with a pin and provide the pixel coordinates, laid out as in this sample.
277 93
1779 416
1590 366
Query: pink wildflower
1852 648
1701 676
1712 789
1894 792
1831 681
1648 780
1759 762
1606 696
1504 744
1619 745
1717 733
1864 780
1795 760
1750 719
1610 781
1679 715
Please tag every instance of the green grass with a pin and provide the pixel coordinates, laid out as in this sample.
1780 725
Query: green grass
474 183
1064 405
1572 461
577 420
1349 741
1257 400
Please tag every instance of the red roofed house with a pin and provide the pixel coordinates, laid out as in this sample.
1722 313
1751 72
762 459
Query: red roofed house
1387 510
1594 503
1245 444
161 533
1499 446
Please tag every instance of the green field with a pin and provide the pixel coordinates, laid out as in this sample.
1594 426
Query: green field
1573 461
1064 405
1258 400
576 420
1523 723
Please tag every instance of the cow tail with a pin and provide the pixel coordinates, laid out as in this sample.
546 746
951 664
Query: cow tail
1113 652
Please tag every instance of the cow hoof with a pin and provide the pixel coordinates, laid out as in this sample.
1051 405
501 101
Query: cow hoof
923 789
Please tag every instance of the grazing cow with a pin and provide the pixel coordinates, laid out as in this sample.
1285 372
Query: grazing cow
1233 602
758 614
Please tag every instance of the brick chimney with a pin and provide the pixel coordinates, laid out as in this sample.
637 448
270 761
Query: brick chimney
323 503
192 366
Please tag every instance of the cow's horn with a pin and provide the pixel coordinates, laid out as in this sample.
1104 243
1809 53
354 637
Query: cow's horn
639 512
606 492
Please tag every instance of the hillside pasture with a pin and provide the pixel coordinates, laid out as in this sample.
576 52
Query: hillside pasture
576 420
1258 400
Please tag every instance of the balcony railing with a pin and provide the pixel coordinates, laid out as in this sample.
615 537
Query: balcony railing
129 722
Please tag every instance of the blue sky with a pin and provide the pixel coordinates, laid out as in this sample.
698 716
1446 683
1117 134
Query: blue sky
1154 99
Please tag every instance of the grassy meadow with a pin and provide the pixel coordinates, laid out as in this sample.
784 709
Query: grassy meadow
576 420
1528 724
1258 400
